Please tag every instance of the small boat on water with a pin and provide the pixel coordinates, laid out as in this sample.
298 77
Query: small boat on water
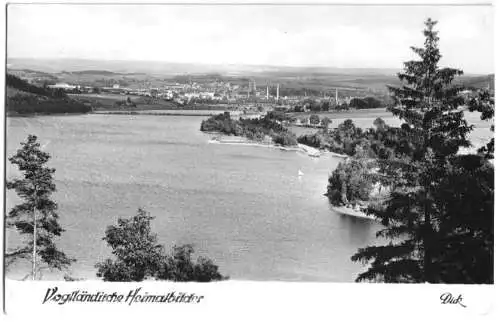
300 173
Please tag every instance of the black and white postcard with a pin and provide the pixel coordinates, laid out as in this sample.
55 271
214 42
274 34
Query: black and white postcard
190 158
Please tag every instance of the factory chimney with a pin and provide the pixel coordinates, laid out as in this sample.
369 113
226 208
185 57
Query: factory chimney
278 92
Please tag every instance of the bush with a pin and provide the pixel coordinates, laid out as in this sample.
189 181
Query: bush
325 122
313 140
138 256
180 267
285 139
314 119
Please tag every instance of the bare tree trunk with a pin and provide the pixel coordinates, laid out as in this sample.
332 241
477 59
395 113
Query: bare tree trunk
34 244
427 258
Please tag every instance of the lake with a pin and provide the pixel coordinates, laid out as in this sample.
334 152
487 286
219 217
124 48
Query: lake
243 206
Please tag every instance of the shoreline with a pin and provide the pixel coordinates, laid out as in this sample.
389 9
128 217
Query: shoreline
195 113
241 141
344 210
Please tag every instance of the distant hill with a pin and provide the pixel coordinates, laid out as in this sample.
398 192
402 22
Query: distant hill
93 72
348 81
166 68
478 82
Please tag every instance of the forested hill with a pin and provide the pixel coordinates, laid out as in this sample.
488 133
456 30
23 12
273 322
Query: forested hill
24 98
14 82
478 82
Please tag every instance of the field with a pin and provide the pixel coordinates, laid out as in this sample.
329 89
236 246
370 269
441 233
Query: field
177 112
108 101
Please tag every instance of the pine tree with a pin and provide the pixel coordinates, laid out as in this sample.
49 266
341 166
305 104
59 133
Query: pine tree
37 216
433 131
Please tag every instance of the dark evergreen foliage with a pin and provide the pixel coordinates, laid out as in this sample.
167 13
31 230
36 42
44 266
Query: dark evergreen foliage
439 215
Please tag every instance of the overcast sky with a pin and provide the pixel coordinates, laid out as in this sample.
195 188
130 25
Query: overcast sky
336 36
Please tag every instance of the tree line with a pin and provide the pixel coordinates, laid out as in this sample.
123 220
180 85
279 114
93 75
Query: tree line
254 129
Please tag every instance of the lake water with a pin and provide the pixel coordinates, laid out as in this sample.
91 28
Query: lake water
243 206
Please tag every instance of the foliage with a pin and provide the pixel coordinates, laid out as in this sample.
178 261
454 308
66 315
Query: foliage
484 103
285 139
36 217
316 140
34 99
350 182
26 104
325 122
314 119
128 103
139 256
20 84
467 200
180 267
254 129
365 103
379 124
344 138
342 107
431 240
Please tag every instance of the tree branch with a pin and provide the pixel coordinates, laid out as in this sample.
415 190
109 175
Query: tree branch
16 252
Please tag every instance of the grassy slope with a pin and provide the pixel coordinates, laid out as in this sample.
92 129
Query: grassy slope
108 102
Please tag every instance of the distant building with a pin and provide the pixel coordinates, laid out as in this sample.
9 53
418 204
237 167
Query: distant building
282 108
64 86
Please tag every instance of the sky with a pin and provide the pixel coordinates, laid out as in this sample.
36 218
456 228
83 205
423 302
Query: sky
333 36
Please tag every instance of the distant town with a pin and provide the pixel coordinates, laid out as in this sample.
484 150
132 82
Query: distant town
105 91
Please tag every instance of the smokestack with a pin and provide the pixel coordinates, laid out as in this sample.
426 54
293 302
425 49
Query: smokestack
336 96
267 92
278 92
